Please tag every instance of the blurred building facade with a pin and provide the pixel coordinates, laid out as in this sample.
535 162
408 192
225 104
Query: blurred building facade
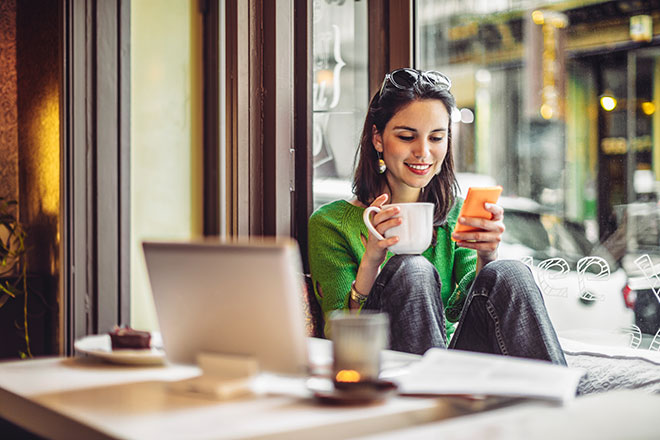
563 93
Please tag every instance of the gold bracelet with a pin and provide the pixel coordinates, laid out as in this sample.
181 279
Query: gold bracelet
357 296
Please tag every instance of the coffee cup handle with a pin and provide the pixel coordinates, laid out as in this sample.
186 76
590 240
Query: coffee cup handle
367 221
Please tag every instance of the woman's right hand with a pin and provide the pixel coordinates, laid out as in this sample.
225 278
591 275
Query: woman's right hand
376 250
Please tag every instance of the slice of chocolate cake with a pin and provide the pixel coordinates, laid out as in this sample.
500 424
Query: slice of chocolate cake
124 338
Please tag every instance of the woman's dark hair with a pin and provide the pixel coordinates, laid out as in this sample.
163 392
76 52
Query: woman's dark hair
368 183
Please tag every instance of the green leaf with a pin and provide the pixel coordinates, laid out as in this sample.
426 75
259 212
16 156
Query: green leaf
6 291
10 289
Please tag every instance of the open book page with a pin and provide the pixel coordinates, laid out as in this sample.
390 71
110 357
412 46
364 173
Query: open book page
454 372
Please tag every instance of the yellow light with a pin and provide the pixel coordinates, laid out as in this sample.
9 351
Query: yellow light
608 103
44 133
537 17
546 111
324 76
648 108
348 376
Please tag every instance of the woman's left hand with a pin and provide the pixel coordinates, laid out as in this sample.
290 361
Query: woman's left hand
487 239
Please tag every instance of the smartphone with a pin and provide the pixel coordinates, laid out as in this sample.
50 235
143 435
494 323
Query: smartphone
473 206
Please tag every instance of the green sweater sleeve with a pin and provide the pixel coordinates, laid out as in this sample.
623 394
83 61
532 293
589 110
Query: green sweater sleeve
332 260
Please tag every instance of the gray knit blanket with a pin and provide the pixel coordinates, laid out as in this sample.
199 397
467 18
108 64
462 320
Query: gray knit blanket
610 368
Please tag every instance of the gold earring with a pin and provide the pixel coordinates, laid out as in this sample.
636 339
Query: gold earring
381 163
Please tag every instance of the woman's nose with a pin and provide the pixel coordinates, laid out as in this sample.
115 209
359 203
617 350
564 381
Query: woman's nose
421 149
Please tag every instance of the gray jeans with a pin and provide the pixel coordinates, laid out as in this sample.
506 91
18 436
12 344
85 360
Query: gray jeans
504 312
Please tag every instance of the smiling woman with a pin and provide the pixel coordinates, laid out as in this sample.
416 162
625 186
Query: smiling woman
450 295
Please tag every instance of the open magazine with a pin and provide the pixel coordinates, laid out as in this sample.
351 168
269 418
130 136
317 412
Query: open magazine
454 372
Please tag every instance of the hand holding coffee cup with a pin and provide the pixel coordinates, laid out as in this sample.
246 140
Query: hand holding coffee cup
415 230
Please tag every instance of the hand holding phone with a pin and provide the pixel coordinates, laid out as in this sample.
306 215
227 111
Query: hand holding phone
473 206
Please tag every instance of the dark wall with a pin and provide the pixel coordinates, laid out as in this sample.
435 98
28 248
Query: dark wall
8 101
34 141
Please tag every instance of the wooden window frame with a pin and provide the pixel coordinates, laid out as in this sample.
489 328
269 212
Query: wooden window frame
211 47
95 182
260 133
303 197
391 39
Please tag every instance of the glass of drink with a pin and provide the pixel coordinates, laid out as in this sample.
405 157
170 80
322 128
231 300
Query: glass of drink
358 340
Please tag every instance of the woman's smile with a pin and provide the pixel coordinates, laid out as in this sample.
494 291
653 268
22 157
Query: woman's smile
419 168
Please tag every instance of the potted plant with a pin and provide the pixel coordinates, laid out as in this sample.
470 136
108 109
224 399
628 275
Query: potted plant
13 264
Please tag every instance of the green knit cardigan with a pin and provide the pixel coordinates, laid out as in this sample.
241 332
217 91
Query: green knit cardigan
336 249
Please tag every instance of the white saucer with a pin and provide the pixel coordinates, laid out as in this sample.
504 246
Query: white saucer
99 346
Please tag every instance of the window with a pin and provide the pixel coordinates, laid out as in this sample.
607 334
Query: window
340 94
570 130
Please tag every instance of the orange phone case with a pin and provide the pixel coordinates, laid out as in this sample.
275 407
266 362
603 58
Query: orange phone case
473 206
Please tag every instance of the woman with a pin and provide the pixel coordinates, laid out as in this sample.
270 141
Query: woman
456 294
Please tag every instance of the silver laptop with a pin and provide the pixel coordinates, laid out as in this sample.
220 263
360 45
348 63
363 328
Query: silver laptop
239 298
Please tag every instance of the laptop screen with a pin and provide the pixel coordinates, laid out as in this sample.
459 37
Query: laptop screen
241 298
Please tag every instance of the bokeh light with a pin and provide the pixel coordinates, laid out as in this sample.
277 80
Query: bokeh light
608 103
648 108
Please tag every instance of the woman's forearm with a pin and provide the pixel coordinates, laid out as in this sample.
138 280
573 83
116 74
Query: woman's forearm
364 281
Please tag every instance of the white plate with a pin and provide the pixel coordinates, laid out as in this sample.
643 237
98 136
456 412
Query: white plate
99 346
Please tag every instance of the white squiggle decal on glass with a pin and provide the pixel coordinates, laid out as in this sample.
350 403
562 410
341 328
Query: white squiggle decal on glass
646 266
553 269
655 344
528 261
337 70
603 275
318 93
635 335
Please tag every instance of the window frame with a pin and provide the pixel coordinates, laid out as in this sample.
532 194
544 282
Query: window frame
95 179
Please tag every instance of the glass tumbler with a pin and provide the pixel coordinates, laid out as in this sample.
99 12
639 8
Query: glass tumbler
358 340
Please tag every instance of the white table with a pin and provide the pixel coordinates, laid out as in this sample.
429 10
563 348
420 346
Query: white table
615 415
86 398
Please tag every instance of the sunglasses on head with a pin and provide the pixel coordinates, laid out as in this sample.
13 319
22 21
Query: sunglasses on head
407 78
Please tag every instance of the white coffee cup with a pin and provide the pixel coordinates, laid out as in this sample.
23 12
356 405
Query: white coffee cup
414 232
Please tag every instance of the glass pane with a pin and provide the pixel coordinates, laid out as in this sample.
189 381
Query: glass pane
568 125
340 93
